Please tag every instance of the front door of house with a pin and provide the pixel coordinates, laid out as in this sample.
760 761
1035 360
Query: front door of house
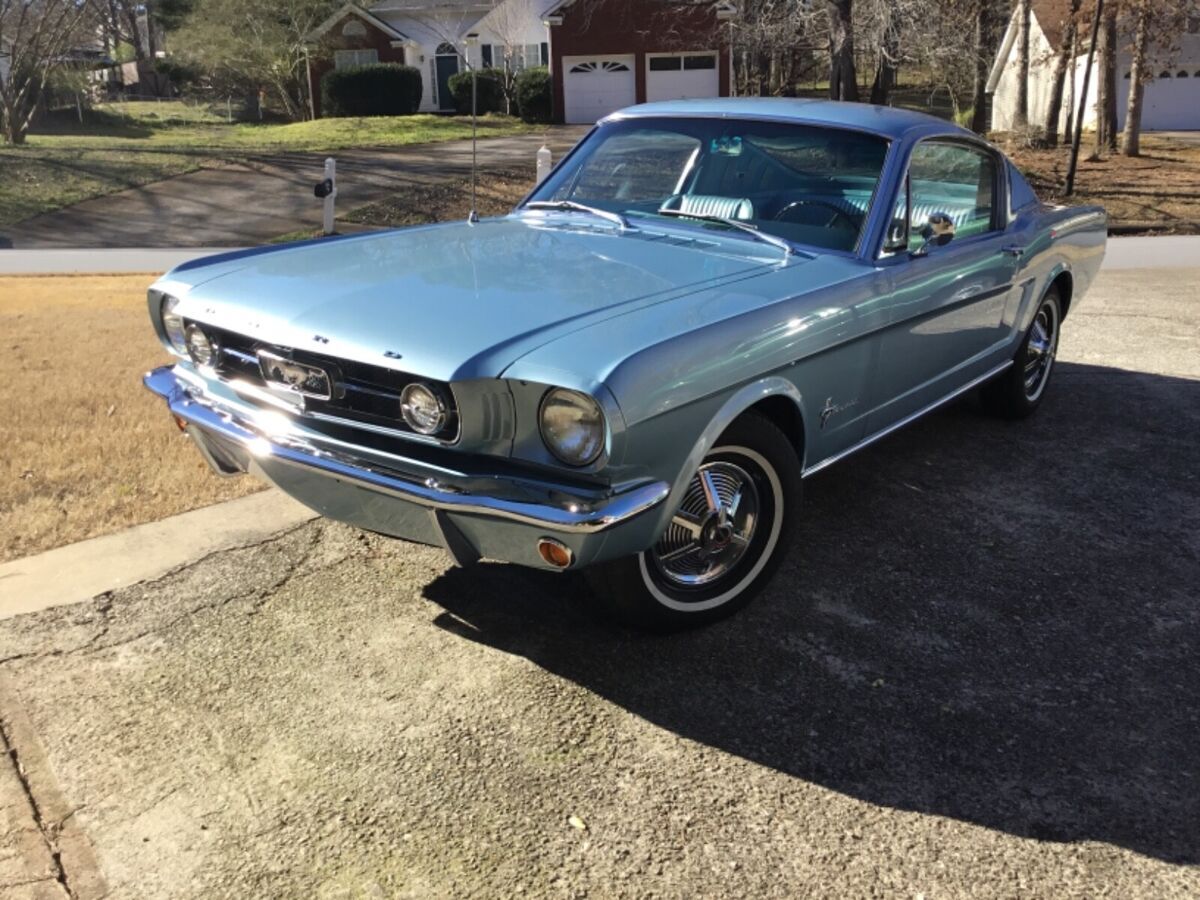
447 65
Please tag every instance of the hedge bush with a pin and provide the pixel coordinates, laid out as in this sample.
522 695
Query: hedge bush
490 92
383 89
535 95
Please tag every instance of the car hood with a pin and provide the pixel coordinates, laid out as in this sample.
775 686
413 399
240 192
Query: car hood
458 301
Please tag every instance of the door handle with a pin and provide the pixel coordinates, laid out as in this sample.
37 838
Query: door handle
1013 250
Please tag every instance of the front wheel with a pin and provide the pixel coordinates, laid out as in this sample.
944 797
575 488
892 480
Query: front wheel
724 540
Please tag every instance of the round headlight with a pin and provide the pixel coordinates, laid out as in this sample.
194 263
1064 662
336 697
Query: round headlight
572 426
422 409
200 346
173 323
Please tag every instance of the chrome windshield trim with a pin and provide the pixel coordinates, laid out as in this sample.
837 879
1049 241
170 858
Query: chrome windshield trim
553 510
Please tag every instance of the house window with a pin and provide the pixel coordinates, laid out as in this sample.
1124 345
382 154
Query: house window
354 29
691 62
523 56
1182 75
584 68
349 59
1164 74
486 50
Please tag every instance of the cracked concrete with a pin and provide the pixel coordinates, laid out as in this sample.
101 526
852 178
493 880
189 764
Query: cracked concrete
973 676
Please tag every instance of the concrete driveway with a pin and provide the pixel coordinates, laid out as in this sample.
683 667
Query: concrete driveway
974 675
265 197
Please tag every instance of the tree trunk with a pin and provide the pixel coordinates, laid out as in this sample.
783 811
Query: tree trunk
1021 114
1061 64
843 80
982 57
1106 87
885 68
1131 139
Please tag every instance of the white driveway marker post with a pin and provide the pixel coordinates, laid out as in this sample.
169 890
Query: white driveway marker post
331 177
545 163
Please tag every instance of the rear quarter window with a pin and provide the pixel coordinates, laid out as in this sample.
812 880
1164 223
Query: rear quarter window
1022 194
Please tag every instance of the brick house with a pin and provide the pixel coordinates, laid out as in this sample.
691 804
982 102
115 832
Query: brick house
607 54
603 54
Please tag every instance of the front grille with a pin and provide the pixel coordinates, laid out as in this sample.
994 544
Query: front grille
363 394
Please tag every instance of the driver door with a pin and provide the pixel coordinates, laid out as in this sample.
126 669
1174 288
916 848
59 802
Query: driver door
950 282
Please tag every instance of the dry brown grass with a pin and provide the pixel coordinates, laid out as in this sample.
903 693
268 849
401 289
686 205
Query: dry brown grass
87 450
1158 190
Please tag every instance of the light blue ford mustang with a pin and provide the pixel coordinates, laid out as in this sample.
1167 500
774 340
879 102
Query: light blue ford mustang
704 303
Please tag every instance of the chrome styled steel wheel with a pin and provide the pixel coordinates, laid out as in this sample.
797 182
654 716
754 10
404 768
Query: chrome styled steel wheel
713 527
1040 350
1018 392
737 515
721 536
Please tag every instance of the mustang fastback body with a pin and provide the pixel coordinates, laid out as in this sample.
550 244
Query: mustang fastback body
555 387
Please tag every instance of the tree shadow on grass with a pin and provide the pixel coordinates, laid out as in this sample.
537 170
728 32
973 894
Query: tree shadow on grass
990 621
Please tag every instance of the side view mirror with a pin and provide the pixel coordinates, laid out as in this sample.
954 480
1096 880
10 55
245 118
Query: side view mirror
938 231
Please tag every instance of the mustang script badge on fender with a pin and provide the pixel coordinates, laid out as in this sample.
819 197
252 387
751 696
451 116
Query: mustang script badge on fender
299 378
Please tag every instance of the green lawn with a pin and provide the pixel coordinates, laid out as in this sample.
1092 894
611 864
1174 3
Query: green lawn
129 144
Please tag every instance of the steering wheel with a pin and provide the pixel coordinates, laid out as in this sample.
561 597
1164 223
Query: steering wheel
838 212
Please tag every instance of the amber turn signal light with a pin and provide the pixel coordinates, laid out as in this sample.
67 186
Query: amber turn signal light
554 553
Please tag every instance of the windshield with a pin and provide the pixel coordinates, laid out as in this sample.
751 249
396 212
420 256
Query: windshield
805 183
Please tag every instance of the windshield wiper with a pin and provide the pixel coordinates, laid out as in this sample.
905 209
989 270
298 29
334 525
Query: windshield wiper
574 206
784 245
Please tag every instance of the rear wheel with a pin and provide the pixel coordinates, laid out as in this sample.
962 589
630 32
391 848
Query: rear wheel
723 542
1018 392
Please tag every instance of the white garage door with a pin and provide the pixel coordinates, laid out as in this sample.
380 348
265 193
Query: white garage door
1172 103
594 86
678 76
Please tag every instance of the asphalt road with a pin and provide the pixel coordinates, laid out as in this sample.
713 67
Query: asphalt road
264 197
974 675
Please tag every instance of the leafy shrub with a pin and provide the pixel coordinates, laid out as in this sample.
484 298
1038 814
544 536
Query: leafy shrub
182 76
535 95
489 92
382 89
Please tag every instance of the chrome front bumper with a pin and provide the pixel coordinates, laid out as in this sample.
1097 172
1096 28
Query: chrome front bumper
472 516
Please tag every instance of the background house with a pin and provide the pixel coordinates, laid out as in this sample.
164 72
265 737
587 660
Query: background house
603 54
1172 99
608 54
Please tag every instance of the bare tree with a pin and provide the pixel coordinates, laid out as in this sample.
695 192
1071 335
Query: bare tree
38 36
843 79
880 29
1063 61
1021 114
1156 26
1106 85
775 43
982 58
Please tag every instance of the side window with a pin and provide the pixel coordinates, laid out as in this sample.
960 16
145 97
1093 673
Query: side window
948 178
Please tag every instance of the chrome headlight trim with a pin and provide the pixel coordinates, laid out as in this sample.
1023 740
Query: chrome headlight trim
172 323
411 404
566 418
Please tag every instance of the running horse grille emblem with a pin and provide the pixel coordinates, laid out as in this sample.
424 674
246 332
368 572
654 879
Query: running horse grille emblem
298 378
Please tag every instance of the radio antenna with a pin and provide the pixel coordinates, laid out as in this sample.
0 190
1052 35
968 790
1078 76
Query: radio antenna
472 40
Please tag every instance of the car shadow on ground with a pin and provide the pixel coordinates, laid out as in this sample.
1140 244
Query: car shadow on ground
991 621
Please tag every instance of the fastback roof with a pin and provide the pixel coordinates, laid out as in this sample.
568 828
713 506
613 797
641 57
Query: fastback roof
885 120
